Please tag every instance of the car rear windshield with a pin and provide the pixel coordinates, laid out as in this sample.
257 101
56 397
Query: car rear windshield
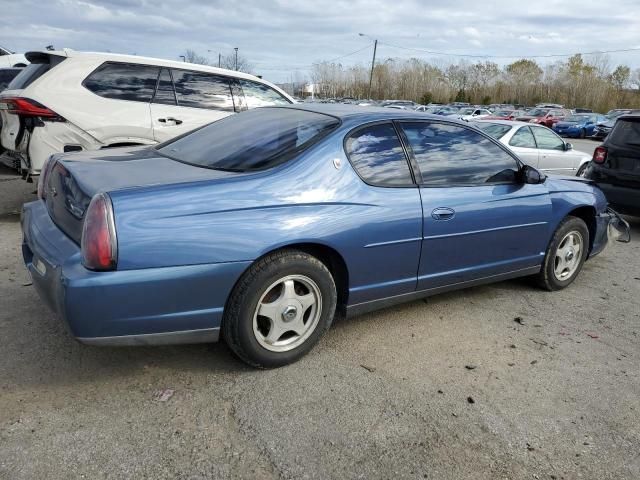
626 132
253 140
40 64
495 130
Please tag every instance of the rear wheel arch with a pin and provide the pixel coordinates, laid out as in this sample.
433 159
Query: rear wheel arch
331 259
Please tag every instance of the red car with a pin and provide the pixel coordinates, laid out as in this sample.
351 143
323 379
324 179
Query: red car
544 116
506 115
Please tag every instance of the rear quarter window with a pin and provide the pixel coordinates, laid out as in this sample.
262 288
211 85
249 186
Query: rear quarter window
123 81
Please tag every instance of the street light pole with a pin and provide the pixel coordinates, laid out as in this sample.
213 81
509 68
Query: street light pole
236 49
373 62
183 58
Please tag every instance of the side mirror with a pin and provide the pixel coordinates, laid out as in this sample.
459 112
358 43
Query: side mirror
531 175
568 146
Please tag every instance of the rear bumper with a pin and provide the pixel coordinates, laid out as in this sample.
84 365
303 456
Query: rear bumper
168 305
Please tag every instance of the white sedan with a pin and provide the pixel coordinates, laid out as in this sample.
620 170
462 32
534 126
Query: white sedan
471 113
537 146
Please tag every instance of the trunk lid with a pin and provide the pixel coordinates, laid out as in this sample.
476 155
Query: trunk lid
72 180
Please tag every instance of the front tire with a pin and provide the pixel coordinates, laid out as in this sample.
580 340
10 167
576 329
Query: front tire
565 254
279 309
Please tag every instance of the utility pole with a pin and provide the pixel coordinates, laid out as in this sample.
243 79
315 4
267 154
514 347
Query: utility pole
219 60
373 64
236 49
183 58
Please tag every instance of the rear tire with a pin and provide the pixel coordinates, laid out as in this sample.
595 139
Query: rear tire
279 309
582 169
565 254
583 133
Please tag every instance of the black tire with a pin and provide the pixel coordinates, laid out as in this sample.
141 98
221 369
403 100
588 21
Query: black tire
581 170
583 133
547 278
238 321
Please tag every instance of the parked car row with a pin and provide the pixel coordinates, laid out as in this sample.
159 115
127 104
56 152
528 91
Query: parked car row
66 101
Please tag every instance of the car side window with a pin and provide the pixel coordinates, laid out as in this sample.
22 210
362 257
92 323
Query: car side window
123 81
546 139
202 90
261 95
377 155
165 94
523 138
453 155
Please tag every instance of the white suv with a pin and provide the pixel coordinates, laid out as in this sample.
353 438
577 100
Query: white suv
67 101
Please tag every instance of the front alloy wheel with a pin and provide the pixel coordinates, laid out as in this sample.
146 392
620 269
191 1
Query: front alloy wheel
565 254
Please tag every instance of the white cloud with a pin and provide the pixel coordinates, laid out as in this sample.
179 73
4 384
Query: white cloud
280 37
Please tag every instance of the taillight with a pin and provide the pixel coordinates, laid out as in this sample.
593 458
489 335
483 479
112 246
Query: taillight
42 179
99 243
28 108
600 154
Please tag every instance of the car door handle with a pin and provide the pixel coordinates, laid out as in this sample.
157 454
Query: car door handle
443 213
170 119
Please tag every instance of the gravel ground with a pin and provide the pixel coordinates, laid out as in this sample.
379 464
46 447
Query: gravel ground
448 388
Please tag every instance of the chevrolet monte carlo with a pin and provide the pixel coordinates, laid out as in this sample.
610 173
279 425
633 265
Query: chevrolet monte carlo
261 227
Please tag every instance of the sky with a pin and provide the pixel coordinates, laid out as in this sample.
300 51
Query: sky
281 39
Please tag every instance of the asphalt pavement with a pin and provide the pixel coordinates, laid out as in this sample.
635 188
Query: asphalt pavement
496 382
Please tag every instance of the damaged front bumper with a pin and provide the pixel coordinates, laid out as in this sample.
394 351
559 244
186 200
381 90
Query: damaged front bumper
610 225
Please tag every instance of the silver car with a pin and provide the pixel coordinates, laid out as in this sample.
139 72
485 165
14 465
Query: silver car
537 146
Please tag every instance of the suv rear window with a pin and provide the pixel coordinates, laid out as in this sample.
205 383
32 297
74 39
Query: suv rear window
6 75
123 81
38 67
253 140
626 132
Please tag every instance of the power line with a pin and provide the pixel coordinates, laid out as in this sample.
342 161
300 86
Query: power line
468 55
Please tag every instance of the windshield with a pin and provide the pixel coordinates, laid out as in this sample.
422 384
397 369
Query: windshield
503 113
626 132
253 140
538 112
495 130
576 118
466 111
615 113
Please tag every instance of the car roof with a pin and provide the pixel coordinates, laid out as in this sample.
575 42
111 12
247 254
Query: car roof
118 57
355 112
512 123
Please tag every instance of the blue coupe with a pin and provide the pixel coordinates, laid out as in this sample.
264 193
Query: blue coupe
262 226
579 125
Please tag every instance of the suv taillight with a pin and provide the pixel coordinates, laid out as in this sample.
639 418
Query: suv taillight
99 243
600 155
28 108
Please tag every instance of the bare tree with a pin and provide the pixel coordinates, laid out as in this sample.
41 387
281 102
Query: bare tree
242 64
191 56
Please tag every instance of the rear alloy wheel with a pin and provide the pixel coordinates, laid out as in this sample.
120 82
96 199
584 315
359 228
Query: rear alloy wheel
565 255
279 309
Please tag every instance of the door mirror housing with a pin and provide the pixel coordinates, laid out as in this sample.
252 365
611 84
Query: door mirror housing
568 146
532 176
